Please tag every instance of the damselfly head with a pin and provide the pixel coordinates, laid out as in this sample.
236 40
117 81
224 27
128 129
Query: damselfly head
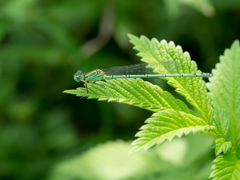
78 76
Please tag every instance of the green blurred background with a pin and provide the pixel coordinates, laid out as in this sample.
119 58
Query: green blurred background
43 43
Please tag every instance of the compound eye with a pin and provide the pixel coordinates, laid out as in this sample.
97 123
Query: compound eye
78 76
77 79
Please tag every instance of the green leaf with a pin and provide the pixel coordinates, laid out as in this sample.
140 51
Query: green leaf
145 95
173 117
226 166
221 146
111 161
225 93
133 91
193 89
167 124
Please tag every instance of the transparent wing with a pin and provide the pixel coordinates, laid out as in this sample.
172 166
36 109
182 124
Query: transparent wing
170 67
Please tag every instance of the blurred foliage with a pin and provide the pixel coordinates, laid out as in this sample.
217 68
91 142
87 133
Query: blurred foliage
113 161
42 44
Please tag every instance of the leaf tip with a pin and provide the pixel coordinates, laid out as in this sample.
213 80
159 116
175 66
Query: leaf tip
70 91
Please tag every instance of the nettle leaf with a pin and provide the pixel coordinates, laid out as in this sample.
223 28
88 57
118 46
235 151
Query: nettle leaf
173 117
192 88
166 125
135 92
138 94
221 146
226 166
225 93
